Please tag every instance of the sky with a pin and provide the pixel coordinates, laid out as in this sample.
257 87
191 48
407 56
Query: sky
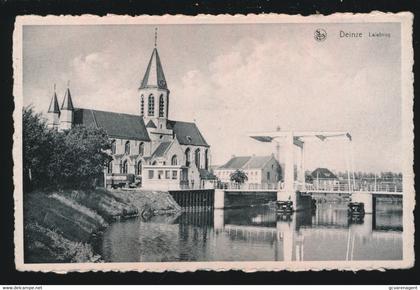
236 79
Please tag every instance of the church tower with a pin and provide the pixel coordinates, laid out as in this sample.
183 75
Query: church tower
53 112
67 111
154 99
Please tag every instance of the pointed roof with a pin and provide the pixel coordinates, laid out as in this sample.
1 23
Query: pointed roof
323 173
154 76
150 124
54 107
67 101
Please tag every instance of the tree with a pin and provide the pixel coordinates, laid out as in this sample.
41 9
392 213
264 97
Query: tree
238 176
69 159
80 156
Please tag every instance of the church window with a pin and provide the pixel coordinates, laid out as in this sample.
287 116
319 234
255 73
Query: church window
124 168
197 158
161 106
109 167
174 174
167 174
138 168
151 111
113 147
127 147
160 174
206 159
151 172
187 157
142 105
174 160
154 163
141 149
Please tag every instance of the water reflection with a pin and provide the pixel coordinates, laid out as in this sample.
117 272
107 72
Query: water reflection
258 233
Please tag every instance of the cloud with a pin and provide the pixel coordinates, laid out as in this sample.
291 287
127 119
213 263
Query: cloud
253 88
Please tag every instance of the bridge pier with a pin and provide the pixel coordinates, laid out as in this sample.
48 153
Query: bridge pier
218 219
364 197
219 198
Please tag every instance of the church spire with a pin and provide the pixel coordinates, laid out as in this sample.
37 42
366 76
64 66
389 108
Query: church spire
67 101
154 76
54 108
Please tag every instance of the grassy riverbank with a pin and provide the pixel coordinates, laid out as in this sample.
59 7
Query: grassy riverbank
59 225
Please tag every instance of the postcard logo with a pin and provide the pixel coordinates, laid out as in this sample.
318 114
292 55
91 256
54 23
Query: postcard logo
320 34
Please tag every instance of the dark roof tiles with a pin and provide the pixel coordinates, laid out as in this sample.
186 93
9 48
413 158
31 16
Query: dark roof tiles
154 76
187 133
117 125
161 149
54 107
67 101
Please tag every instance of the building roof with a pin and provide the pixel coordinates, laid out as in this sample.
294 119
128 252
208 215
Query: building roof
117 125
154 76
236 162
126 126
323 173
150 124
54 107
246 162
256 162
161 149
67 101
187 133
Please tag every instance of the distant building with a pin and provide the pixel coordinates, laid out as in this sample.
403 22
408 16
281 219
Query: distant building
324 177
259 169
159 152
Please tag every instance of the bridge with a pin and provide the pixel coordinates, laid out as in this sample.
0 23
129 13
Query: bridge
388 189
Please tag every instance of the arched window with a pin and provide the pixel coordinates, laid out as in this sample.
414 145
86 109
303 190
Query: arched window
206 159
124 168
161 106
151 111
113 147
197 157
141 149
109 167
127 147
138 168
174 160
187 157
154 163
142 105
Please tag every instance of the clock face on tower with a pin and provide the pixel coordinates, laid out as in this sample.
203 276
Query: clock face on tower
162 83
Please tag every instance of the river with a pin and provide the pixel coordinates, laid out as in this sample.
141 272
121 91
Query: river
258 234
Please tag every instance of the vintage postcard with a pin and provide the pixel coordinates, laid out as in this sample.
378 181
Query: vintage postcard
183 143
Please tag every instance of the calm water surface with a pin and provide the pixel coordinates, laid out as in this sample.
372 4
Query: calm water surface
258 233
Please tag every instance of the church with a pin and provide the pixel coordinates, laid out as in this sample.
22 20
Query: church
148 149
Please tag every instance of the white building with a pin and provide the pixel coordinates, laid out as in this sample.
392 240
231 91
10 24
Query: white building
259 169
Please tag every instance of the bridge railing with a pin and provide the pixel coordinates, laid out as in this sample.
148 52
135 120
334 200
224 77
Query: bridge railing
395 186
316 186
249 186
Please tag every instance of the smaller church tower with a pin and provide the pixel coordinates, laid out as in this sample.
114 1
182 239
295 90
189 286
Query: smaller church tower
67 111
53 112
154 99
